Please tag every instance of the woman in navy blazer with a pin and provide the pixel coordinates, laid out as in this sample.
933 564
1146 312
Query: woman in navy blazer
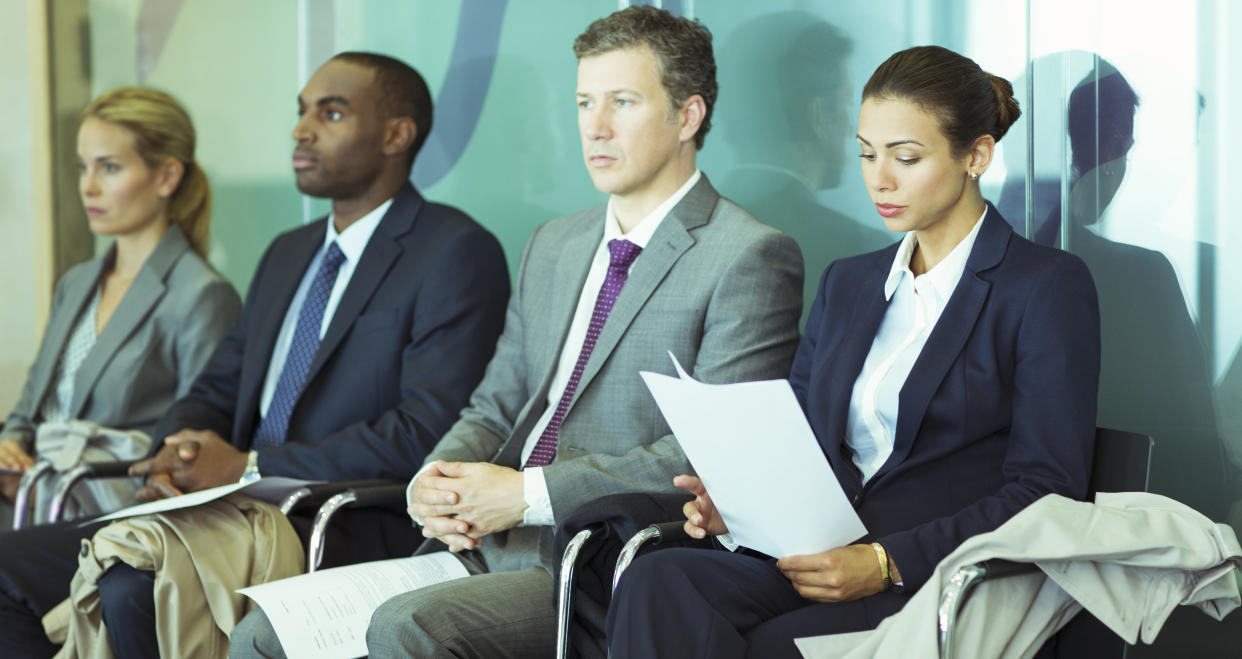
130 329
950 379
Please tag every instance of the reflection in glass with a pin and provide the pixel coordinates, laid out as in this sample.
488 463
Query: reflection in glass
786 108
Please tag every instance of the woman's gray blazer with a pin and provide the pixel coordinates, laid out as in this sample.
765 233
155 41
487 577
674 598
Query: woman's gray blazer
155 343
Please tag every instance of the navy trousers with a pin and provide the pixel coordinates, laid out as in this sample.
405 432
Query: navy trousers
714 603
36 565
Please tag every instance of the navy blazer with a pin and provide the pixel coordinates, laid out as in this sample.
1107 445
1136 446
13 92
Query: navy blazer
407 344
998 410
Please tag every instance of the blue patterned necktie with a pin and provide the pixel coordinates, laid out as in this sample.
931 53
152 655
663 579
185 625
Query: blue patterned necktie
622 253
301 352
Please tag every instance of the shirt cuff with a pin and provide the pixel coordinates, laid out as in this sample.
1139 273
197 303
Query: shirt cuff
409 492
726 541
538 504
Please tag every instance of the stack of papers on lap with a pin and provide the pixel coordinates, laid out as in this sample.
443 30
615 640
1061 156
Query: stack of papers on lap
759 460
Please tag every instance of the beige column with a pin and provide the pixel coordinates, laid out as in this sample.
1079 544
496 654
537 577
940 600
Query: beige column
26 262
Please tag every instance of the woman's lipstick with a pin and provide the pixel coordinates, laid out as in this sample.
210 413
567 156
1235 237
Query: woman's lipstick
889 210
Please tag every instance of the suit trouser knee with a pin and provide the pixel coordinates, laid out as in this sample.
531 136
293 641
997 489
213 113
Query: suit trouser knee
254 637
499 614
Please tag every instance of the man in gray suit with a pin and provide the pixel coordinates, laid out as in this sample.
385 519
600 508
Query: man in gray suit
562 416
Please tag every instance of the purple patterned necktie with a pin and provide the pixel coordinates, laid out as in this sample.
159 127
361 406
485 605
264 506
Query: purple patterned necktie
301 352
623 254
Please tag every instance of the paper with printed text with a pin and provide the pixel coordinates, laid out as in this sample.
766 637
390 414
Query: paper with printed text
759 460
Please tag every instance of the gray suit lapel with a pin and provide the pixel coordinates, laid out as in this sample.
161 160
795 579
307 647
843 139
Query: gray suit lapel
135 305
670 241
577 251
75 294
571 272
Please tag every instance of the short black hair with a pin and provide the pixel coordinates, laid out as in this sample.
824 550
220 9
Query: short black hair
403 92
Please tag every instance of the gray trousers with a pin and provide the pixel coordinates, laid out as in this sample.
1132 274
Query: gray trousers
489 614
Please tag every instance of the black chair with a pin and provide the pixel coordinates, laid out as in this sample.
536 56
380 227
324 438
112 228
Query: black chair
1121 463
332 498
590 544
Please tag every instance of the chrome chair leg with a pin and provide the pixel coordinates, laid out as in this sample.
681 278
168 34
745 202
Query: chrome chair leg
565 599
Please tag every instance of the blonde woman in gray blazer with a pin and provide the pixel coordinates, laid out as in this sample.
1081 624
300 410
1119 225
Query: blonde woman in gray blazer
128 330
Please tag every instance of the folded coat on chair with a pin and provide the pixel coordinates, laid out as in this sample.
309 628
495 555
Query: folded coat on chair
1130 559
200 556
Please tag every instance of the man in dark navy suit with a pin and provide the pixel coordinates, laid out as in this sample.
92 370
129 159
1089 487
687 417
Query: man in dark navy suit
362 336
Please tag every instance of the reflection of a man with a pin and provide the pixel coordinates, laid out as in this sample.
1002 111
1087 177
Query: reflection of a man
1154 376
791 131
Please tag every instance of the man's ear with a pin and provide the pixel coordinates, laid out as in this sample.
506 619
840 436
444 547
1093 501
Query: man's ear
399 135
690 116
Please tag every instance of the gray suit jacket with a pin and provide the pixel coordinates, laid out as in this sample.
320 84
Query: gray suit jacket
718 289
155 343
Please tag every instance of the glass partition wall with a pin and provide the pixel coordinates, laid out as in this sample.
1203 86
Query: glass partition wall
1123 156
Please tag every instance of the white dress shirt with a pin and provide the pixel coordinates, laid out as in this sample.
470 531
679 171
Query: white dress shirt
534 488
352 241
915 304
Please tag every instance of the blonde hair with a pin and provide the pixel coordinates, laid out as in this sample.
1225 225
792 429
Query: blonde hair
162 130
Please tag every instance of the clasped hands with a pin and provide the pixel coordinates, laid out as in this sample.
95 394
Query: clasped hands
837 575
461 502
190 460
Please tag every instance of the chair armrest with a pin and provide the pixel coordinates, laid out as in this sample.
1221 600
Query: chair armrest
82 472
116 469
314 496
654 535
25 487
955 593
373 494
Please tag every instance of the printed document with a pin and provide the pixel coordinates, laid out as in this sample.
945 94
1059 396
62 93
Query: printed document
759 460
272 489
324 615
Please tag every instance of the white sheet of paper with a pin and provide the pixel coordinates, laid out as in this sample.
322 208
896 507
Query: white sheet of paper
324 615
758 458
271 489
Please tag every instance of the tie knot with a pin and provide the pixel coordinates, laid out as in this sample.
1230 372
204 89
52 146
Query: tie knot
334 256
623 253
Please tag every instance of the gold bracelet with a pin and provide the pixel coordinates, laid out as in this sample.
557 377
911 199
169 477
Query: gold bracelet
882 556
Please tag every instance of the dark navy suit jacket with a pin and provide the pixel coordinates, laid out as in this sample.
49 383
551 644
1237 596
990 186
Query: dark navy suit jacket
998 410
407 344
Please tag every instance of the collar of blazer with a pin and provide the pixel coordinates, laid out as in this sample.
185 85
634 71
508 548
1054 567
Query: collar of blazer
670 241
135 306
381 252
283 275
943 346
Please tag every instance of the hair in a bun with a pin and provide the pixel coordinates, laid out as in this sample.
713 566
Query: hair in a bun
966 100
